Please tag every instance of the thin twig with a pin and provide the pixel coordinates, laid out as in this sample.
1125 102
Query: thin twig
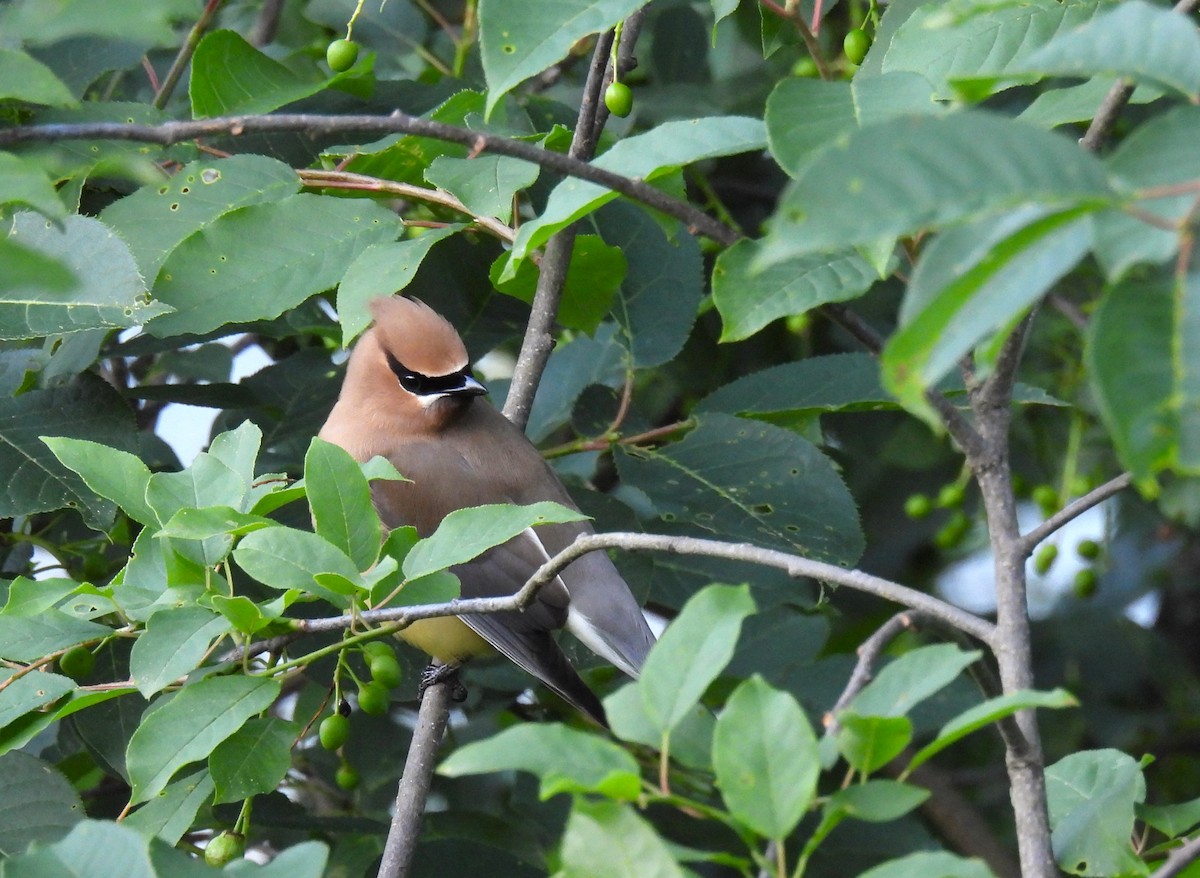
185 53
552 274
1179 859
344 180
316 125
794 565
415 783
267 23
1073 510
810 40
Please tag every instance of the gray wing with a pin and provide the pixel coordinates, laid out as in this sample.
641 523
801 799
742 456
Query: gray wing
526 637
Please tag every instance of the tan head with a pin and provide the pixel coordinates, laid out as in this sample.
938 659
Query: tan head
409 371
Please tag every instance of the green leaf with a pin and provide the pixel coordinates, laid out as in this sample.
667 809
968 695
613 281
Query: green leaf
1134 39
340 497
33 479
255 262
26 79
37 804
284 558
485 183
981 53
468 533
147 24
691 739
170 814
24 639
207 482
657 301
609 840
737 480
835 382
190 726
985 714
1142 355
595 272
231 77
692 652
110 292
870 742
26 694
157 218
520 40
173 644
382 269
644 156
765 756
878 801
974 280
1171 820
23 182
1158 153
749 299
936 171
804 116
113 474
927 864
573 367
97 849
911 678
30 271
565 760
253 760
1092 796
210 521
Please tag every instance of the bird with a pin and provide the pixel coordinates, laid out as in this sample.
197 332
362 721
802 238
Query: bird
409 396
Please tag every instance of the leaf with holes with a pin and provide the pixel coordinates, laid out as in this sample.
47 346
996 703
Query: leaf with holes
741 480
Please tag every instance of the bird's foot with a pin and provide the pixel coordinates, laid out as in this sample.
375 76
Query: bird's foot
448 674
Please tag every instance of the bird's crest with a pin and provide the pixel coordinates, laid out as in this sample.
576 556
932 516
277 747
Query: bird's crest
417 336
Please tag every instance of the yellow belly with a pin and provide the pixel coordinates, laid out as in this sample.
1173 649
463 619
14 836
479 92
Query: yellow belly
447 638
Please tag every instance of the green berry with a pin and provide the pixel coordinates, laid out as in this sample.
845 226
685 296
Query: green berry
1046 499
333 731
347 777
1089 550
806 67
953 531
385 671
618 98
855 45
1085 583
918 506
224 847
373 699
1045 558
375 648
341 55
951 496
77 662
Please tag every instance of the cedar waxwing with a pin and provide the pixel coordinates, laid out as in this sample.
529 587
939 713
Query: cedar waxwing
409 396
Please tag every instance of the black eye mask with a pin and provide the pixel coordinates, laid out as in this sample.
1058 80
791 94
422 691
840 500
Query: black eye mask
425 385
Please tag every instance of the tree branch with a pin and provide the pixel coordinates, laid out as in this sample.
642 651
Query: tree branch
185 53
794 565
1179 859
314 125
1073 510
415 783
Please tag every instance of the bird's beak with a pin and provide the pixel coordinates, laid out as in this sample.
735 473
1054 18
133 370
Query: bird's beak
468 387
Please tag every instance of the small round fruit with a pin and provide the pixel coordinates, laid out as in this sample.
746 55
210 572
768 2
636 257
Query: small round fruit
373 699
855 45
806 67
347 777
953 531
341 55
1089 550
951 496
333 731
619 99
223 848
1085 583
375 648
1046 498
385 671
918 506
1045 558
77 662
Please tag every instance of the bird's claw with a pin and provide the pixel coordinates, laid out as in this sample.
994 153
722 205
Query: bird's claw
438 673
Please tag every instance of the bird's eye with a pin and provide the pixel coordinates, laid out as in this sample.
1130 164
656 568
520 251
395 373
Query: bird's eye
412 382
